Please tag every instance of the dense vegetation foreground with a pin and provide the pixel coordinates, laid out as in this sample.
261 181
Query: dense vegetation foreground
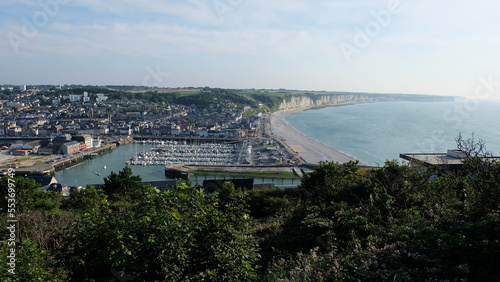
397 223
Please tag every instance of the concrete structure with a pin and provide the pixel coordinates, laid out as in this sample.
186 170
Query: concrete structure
85 139
33 146
75 98
45 151
16 105
124 131
101 97
44 181
166 185
453 159
211 186
70 147
21 152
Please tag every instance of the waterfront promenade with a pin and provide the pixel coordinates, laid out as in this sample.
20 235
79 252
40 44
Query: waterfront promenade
310 150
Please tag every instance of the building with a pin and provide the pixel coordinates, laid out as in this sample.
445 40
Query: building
101 97
45 151
55 187
202 132
70 147
21 152
86 97
165 185
124 131
33 146
75 98
16 105
211 186
44 181
452 159
175 130
15 131
58 142
86 139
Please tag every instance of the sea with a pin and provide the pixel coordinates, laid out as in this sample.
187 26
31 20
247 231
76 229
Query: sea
376 132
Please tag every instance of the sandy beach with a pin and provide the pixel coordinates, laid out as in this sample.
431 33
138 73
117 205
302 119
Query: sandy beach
310 150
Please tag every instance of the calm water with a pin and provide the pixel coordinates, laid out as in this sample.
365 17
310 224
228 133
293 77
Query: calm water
377 132
94 171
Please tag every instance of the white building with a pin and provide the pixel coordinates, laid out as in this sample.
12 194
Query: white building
75 98
15 104
202 132
101 97
175 130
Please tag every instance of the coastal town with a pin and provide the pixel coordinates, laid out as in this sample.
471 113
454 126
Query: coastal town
37 113
60 127
193 129
232 140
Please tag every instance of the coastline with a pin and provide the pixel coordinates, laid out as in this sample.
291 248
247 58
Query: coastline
310 150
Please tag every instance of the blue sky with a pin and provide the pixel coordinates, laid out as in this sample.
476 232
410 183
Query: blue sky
388 46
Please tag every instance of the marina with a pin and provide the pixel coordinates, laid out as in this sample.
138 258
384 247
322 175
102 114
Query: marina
93 171
203 154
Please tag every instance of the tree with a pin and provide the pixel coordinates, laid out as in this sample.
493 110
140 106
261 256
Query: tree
173 236
28 195
332 181
397 223
86 200
32 264
122 185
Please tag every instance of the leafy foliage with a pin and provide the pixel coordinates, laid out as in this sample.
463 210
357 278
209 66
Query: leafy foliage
122 185
397 222
32 264
28 195
216 96
173 236
86 200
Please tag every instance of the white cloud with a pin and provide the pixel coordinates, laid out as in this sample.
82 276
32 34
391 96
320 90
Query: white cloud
428 39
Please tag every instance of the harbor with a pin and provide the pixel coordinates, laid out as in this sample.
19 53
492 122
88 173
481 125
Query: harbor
175 154
93 171
151 158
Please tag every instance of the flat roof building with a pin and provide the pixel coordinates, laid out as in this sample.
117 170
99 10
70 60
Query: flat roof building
452 159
